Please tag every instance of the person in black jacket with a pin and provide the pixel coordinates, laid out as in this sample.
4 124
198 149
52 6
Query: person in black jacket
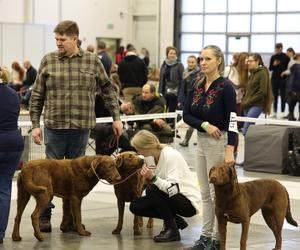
133 74
278 63
26 89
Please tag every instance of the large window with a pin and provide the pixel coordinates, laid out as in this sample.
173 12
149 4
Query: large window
237 25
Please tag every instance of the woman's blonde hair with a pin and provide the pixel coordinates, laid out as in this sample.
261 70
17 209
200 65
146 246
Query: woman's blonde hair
4 75
145 140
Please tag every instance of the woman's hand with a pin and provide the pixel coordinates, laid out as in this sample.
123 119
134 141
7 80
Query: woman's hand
229 154
147 172
213 131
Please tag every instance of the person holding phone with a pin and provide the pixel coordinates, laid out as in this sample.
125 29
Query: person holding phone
171 193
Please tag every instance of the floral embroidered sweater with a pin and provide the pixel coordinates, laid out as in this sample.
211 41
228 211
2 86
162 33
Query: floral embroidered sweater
213 105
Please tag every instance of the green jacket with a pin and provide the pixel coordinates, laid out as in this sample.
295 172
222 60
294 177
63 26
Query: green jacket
257 88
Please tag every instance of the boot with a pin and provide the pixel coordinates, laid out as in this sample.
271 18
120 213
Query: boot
181 223
187 137
170 233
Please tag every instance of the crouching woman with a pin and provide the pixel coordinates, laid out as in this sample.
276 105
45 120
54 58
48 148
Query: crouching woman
171 193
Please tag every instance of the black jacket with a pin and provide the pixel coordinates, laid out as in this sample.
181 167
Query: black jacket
132 71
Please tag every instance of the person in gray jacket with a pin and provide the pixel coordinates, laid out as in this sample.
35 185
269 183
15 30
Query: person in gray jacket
170 82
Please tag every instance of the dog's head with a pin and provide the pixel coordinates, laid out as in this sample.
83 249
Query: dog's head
222 174
128 161
106 168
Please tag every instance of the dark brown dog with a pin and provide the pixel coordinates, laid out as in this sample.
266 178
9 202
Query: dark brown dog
68 179
128 163
237 202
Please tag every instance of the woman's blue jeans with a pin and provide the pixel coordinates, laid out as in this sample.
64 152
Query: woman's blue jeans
9 162
253 112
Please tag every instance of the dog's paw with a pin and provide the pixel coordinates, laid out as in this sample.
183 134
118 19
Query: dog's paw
116 231
84 233
16 238
39 236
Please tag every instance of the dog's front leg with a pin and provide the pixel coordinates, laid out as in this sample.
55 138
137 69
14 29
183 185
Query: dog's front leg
118 229
76 211
244 236
222 226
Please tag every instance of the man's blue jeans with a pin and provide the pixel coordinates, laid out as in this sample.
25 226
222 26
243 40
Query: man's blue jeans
63 144
8 164
253 112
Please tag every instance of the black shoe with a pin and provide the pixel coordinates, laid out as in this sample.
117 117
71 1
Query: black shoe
291 117
184 143
215 245
45 225
204 243
181 223
1 241
168 235
241 164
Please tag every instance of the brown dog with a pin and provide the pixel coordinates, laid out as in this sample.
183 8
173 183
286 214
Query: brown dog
237 202
128 163
68 179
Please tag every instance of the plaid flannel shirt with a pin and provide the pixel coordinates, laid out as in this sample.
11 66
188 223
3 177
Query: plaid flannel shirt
66 88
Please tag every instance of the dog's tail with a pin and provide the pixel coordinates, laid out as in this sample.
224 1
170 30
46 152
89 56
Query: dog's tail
25 180
288 214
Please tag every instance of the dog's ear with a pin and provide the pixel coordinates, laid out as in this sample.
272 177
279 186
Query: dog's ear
232 172
210 171
119 161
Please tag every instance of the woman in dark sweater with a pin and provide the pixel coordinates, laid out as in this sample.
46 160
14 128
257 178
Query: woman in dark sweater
11 146
208 109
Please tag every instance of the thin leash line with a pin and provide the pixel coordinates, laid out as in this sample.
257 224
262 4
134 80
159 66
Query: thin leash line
92 166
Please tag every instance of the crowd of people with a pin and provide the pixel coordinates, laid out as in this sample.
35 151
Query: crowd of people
98 86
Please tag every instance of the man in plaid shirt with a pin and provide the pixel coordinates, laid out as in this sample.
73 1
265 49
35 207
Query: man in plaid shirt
65 87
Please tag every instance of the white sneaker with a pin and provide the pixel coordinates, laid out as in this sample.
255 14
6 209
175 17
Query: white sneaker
274 116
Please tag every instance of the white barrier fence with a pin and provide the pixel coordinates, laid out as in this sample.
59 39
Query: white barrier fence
36 152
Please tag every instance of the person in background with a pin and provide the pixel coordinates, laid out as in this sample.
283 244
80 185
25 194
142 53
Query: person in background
237 73
189 76
207 109
290 53
294 85
145 56
258 97
30 77
278 63
171 193
170 80
11 146
90 48
120 54
104 57
65 89
133 74
17 76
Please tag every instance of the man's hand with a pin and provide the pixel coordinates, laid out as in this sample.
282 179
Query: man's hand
276 62
160 122
36 134
127 108
117 127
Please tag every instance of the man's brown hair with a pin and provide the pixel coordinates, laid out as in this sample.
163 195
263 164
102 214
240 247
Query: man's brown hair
67 27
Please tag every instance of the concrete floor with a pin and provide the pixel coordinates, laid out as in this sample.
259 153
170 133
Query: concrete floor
99 212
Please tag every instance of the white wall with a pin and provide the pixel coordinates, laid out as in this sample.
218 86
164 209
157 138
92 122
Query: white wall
146 23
